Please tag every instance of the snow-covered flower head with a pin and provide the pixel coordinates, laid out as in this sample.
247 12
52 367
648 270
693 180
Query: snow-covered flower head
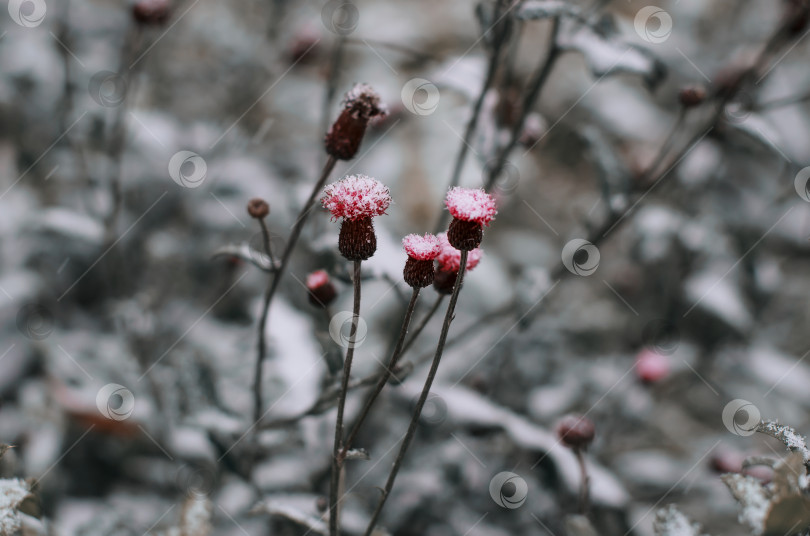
356 197
361 106
449 259
421 250
321 290
471 204
422 247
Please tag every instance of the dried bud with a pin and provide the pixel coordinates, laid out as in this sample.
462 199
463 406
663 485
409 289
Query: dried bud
321 290
357 241
258 208
444 282
362 104
575 432
692 96
151 11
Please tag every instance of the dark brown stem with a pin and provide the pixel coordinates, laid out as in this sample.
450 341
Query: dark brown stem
502 30
434 367
584 487
337 460
384 376
276 276
535 88
423 323
335 64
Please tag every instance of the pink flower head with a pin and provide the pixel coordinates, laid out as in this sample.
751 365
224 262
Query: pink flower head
651 366
356 197
471 204
317 279
422 248
450 258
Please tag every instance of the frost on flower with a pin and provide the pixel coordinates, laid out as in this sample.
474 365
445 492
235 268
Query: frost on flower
471 204
13 492
423 248
364 102
449 259
355 197
670 521
753 499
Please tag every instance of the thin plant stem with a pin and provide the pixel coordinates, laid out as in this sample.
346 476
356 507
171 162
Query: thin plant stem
337 461
472 124
423 323
384 376
535 88
666 146
267 245
273 286
585 482
434 367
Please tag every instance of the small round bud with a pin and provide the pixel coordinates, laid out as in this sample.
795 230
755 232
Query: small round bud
258 208
321 290
151 11
692 96
651 367
575 432
322 504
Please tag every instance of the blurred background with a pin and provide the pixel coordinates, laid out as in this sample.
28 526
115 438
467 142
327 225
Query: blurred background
646 293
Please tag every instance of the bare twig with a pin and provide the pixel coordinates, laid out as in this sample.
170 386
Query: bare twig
273 286
337 456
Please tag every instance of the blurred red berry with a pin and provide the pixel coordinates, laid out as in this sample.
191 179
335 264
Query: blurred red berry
575 431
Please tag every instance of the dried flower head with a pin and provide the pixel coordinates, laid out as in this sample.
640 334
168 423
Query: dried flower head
321 290
356 197
421 250
576 431
692 96
449 259
258 208
424 248
361 106
471 204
